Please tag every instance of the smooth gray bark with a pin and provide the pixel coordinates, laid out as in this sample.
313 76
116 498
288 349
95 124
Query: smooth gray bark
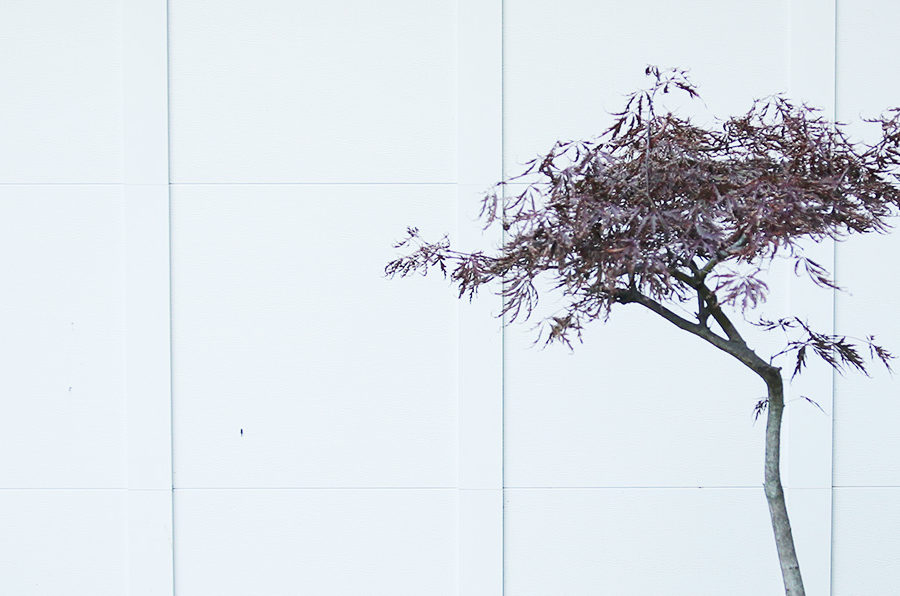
781 525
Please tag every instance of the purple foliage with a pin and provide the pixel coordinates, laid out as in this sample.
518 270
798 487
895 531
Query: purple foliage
659 210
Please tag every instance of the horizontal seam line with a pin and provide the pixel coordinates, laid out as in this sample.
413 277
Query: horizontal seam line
170 183
681 487
313 183
314 488
70 183
168 488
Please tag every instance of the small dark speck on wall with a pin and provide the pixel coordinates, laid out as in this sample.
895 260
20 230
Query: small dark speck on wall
242 432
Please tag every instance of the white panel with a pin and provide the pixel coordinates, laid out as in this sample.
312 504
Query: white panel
150 542
62 542
807 432
480 418
147 342
296 362
807 448
480 149
480 533
642 542
322 542
866 541
147 367
145 92
865 30
61 319
867 437
286 91
568 64
62 100
866 411
812 53
147 251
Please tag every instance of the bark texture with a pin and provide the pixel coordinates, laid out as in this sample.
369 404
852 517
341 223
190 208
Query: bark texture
781 525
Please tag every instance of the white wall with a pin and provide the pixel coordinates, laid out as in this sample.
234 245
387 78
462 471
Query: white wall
213 390
866 439
63 461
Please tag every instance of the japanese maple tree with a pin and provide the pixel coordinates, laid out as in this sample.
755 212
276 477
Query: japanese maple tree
661 212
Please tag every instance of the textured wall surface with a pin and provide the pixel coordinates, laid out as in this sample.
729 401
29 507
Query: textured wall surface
210 388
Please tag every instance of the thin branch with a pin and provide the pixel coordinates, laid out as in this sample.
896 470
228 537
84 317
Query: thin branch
647 150
722 255
633 296
702 310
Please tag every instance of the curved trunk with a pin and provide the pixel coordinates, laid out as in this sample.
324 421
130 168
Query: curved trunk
737 347
784 539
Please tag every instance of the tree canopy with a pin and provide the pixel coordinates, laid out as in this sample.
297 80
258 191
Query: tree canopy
658 209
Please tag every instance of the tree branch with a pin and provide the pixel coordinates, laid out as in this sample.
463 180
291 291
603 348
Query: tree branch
702 311
708 298
712 304
735 347
633 296
721 255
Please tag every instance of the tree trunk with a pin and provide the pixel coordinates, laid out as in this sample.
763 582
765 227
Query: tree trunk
784 539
